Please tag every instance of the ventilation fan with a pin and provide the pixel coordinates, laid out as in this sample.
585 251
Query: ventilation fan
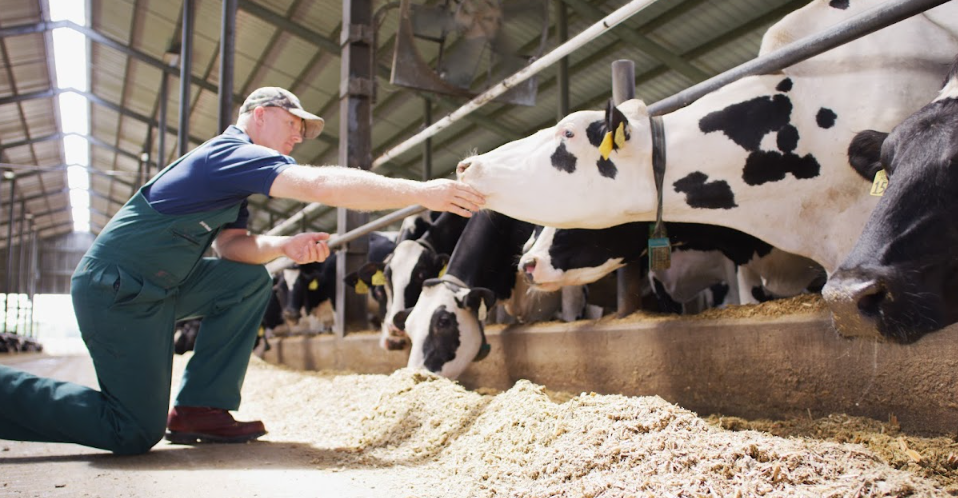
464 47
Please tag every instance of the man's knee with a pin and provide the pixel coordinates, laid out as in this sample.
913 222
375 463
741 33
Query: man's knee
135 440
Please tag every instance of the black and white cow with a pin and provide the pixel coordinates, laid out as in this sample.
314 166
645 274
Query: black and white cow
901 279
703 256
412 263
445 326
314 290
764 155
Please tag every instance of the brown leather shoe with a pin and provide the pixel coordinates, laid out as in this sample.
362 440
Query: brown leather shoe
191 425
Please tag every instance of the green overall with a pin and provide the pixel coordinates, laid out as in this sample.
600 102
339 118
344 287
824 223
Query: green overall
145 271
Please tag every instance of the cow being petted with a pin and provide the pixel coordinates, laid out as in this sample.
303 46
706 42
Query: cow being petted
764 155
901 279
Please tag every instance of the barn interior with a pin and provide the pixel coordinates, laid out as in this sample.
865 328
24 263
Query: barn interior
401 89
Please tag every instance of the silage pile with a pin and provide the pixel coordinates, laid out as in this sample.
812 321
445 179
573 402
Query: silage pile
439 440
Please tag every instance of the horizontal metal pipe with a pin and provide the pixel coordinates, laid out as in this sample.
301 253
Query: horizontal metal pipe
856 27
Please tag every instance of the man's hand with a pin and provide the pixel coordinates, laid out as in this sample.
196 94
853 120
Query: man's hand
309 247
453 196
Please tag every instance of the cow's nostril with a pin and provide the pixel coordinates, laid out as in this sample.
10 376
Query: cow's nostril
462 167
529 267
870 300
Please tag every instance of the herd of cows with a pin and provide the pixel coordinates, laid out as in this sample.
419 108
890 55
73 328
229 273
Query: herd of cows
767 192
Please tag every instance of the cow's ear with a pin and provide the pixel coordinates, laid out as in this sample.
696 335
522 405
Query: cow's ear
617 130
356 282
399 319
480 300
372 273
864 153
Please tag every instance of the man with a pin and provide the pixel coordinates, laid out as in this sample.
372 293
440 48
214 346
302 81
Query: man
146 270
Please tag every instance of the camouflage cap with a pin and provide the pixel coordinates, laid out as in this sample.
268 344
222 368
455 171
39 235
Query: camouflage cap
274 96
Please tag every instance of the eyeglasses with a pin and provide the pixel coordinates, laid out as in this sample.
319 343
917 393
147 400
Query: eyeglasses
302 128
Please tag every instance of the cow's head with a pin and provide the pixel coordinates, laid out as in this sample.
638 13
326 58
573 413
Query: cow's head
369 280
410 264
445 327
901 279
586 153
562 257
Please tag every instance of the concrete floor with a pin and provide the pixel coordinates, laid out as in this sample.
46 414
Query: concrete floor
261 469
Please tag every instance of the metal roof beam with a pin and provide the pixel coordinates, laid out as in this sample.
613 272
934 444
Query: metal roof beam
626 33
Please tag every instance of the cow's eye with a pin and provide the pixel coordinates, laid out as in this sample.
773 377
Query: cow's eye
569 133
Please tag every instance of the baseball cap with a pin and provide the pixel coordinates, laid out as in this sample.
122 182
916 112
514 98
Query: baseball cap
274 96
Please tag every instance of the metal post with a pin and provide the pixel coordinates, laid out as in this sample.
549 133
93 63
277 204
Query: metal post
161 145
186 67
427 147
20 254
629 277
227 48
9 175
34 241
355 150
562 72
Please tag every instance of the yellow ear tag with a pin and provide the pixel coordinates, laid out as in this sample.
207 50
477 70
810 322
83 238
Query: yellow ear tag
314 284
361 287
606 147
620 135
880 183
379 278
443 271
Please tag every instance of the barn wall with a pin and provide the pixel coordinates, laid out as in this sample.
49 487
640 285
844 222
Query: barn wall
57 257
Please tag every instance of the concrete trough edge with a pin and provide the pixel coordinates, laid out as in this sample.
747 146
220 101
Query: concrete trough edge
756 367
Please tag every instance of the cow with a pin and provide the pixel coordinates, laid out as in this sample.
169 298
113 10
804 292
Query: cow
445 326
764 155
704 255
410 264
314 289
900 281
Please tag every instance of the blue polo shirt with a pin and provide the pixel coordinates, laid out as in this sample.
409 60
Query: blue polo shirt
221 173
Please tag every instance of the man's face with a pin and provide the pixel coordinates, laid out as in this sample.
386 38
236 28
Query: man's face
281 130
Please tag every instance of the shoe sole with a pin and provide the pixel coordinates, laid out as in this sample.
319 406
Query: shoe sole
197 438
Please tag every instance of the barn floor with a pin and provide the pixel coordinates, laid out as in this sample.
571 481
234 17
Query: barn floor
268 468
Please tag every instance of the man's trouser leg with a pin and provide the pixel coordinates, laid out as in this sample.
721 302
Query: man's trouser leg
231 297
128 328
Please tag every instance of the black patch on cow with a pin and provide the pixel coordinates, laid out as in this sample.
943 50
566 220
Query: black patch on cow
758 292
664 300
719 293
596 132
787 139
838 4
442 342
784 85
826 118
700 193
746 123
772 166
563 160
606 168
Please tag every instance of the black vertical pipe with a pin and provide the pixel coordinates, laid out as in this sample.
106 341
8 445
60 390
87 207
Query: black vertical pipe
20 253
562 72
227 49
186 71
32 286
161 145
6 279
427 147
355 150
629 277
